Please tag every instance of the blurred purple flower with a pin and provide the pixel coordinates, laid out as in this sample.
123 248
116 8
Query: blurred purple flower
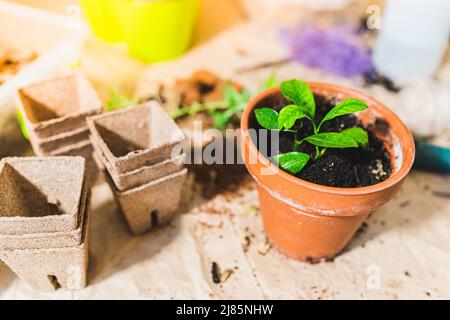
336 51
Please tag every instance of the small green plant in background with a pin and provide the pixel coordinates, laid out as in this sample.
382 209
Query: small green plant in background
303 107
118 101
233 103
231 106
223 111
271 82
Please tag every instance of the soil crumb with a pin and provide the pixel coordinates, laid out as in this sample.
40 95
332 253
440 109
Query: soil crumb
215 272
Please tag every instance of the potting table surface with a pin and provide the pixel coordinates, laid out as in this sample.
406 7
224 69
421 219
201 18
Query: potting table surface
402 251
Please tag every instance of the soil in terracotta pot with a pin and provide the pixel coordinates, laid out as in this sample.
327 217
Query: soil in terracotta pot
343 168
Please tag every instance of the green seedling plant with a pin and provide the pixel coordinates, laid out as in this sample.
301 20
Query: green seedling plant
230 106
118 100
223 111
303 108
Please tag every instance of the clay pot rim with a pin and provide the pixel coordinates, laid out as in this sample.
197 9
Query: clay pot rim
408 157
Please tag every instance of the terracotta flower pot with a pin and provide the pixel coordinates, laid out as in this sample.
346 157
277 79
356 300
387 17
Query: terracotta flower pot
311 222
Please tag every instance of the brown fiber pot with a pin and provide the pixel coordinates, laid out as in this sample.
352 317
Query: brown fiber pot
311 222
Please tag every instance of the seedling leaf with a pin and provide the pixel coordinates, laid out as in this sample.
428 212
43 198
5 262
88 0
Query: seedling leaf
245 97
118 100
332 140
288 115
269 83
221 119
298 92
359 135
347 106
292 162
267 118
233 97
303 106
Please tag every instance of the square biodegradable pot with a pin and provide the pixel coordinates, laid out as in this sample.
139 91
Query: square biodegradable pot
142 175
51 269
40 194
48 240
53 144
82 149
151 204
58 105
136 137
98 163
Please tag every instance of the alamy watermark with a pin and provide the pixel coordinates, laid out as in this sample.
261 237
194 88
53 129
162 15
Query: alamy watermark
373 21
213 146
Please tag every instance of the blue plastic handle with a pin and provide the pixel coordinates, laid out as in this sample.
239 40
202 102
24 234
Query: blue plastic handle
432 157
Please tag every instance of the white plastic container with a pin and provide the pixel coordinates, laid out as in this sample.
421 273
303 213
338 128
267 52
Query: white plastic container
49 35
57 45
413 38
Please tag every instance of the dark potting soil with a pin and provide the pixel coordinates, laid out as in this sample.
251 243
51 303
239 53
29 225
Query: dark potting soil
343 168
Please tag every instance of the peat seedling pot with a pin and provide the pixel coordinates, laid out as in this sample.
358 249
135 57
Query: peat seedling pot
310 221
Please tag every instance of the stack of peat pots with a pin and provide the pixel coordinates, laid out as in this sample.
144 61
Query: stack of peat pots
140 151
44 220
55 112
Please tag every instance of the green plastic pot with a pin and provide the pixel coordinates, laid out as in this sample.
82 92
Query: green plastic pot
159 29
22 125
103 19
